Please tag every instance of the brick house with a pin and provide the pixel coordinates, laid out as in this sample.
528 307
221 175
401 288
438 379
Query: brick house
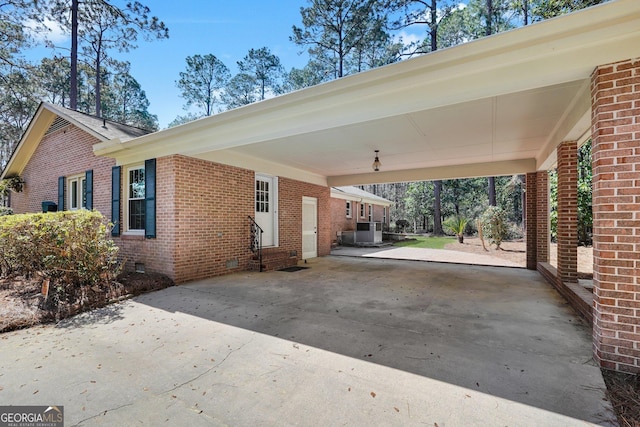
518 102
351 205
184 217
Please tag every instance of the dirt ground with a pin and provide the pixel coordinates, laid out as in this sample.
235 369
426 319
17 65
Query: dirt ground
22 304
516 251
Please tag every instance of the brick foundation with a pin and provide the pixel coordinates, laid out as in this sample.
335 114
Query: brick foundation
615 91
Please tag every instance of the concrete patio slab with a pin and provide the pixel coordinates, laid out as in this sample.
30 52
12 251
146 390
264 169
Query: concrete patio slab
423 254
349 341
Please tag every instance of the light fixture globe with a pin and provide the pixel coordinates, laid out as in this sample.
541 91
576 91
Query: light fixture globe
376 162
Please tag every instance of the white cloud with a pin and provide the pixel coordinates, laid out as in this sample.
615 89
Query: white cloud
407 38
46 31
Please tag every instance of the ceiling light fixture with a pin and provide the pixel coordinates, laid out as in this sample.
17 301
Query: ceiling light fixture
376 163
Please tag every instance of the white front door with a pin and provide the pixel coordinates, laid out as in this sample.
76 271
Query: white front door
309 227
266 192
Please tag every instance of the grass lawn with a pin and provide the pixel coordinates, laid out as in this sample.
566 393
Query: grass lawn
426 242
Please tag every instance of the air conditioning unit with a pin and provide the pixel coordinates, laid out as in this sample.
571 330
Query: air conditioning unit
369 232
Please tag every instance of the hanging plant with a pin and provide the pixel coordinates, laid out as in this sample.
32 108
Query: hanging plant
14 183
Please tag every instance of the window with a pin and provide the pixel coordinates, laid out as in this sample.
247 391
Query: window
348 209
262 196
370 213
77 190
384 214
135 198
361 210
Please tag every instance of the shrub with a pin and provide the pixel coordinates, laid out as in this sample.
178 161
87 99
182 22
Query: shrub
457 225
70 250
5 211
401 224
514 232
494 225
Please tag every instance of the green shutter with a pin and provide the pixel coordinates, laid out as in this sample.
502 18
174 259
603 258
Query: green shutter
150 199
115 200
61 193
88 176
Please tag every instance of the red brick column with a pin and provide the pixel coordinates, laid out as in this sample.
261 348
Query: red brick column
567 230
542 215
531 221
615 92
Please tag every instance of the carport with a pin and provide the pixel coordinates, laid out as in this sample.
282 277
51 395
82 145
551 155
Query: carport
348 341
519 102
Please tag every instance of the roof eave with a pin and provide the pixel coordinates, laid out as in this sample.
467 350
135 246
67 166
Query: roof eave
40 122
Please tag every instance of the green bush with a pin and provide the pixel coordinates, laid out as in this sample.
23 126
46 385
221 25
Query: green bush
514 232
71 250
494 225
5 211
457 225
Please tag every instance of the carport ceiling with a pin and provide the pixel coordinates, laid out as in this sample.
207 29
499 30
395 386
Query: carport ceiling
494 106
509 127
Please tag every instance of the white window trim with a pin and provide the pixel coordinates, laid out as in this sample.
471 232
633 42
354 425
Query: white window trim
384 214
362 210
349 208
370 213
79 179
125 194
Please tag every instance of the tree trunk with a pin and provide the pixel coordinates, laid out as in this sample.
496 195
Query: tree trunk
437 215
97 87
434 25
73 81
489 29
492 191
523 200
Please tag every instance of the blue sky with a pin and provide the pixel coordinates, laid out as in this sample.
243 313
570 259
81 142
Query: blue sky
225 28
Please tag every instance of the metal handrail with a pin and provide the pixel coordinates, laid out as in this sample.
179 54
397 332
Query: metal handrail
255 239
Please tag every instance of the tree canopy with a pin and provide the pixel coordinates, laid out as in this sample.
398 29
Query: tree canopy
202 82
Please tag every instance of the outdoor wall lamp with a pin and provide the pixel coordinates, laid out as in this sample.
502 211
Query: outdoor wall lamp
376 163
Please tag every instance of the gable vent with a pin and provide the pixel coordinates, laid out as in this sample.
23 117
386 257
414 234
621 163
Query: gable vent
57 124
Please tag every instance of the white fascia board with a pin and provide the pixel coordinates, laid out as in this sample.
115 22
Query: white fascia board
231 158
337 194
30 140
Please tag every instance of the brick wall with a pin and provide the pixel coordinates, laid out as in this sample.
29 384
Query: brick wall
212 206
615 91
531 221
209 216
340 222
157 254
290 216
66 152
567 227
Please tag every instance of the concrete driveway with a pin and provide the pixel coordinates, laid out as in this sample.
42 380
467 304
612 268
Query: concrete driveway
349 341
